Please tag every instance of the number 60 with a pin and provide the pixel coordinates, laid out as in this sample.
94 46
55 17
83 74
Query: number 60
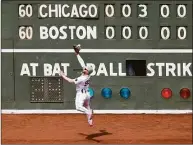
25 10
25 32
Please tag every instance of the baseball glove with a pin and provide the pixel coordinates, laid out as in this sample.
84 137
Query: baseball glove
77 48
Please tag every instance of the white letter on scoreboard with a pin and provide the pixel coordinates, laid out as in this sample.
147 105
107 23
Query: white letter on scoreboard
34 66
47 69
53 30
165 7
183 14
141 30
102 70
108 30
128 7
82 12
81 32
63 11
112 11
128 29
43 32
65 67
149 67
25 70
182 30
95 12
40 11
56 69
165 33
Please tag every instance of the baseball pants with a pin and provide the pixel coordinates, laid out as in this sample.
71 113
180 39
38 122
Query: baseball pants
82 102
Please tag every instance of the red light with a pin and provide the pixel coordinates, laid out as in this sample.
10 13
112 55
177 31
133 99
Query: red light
166 93
185 93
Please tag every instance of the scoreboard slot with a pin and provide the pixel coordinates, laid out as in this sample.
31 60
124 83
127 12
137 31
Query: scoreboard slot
126 10
126 32
109 10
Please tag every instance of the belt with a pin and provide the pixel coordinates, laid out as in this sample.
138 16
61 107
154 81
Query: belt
83 90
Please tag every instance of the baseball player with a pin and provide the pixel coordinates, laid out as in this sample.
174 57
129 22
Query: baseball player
82 100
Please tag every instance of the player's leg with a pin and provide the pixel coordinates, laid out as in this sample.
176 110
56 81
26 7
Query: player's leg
82 105
79 103
88 106
89 116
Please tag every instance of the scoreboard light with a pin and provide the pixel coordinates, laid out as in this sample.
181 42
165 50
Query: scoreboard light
91 92
166 93
106 93
125 93
185 93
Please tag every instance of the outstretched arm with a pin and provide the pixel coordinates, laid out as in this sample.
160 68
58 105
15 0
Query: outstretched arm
66 78
74 81
80 60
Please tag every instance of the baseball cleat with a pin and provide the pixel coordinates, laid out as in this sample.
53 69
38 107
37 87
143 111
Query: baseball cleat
90 122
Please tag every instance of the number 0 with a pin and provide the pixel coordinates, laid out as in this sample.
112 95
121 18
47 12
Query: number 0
141 30
128 7
182 30
183 13
166 14
108 30
112 11
165 33
128 29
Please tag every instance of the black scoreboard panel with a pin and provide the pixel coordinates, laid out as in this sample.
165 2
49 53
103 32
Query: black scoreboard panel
98 24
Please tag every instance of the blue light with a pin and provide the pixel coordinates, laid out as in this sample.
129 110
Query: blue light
125 93
106 93
91 92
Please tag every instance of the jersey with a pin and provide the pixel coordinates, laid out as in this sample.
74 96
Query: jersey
82 83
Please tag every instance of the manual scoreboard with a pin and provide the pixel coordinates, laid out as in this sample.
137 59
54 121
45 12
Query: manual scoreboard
148 43
128 24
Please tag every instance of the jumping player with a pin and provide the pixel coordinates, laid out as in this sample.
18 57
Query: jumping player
82 100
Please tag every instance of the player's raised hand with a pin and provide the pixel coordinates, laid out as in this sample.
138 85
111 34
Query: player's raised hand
77 48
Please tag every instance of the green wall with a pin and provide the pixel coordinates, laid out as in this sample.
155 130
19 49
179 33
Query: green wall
145 91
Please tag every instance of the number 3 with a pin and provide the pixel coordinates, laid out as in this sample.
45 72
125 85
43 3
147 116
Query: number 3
144 10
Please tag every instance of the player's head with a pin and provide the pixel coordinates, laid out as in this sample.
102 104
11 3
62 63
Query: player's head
87 70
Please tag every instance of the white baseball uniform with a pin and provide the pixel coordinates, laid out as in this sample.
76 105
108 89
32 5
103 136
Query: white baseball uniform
82 94
82 101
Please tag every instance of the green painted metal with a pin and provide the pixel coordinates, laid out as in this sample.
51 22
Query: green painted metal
145 91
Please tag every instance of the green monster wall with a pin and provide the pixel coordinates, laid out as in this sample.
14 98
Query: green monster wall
23 59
